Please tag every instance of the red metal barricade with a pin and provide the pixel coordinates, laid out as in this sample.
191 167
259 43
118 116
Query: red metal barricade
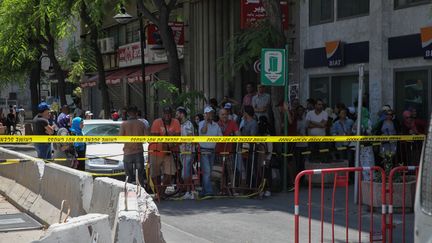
340 179
402 201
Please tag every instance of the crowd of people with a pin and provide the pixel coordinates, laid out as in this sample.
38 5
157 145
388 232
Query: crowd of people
242 164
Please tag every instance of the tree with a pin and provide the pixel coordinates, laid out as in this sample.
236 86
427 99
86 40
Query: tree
31 28
91 13
161 20
19 47
245 47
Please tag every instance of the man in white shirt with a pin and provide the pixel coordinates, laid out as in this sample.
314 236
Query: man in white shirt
316 122
208 128
261 103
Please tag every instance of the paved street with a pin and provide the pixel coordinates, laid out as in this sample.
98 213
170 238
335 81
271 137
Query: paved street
267 220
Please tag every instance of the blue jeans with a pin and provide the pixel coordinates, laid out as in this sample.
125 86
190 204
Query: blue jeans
186 160
207 161
43 150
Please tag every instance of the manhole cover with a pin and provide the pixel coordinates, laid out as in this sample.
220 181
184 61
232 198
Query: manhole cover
17 221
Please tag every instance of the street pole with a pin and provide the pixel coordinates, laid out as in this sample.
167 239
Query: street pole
359 113
286 97
143 73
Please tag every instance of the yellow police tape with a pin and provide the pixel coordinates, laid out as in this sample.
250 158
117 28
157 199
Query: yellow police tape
204 139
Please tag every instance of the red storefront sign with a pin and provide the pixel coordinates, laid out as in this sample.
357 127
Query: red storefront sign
253 11
153 36
129 55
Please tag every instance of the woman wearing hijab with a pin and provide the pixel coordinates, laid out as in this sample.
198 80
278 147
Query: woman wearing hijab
80 148
367 158
64 152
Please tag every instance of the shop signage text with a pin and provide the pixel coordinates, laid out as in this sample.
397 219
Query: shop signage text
335 53
253 11
130 55
426 39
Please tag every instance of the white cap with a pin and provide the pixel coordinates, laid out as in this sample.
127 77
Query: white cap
88 113
208 109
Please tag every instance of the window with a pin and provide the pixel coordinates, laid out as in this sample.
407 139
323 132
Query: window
337 89
132 32
320 11
411 92
408 3
349 8
345 89
319 89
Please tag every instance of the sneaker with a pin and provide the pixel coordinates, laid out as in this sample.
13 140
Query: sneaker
188 196
291 188
267 194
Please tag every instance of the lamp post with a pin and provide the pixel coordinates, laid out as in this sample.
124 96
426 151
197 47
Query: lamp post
39 81
124 18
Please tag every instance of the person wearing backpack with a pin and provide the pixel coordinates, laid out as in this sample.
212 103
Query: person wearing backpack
64 152
264 155
80 148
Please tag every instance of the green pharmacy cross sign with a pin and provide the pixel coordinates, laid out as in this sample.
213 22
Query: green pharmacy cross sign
273 67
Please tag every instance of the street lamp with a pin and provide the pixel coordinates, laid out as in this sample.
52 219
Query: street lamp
124 18
46 70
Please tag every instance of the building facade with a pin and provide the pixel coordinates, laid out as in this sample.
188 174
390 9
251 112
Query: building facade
336 36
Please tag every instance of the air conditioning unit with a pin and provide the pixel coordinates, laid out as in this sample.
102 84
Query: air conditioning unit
106 45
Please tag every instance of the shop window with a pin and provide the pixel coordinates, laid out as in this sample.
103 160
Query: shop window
411 92
319 89
408 3
320 11
345 89
349 8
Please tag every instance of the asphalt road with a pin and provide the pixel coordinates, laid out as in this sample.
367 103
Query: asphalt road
267 220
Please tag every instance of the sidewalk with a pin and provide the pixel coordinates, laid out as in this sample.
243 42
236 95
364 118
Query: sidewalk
267 220
16 236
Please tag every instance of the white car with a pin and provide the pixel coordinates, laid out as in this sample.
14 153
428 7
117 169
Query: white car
105 158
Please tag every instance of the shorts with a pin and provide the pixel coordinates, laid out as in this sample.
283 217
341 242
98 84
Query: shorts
162 165
186 160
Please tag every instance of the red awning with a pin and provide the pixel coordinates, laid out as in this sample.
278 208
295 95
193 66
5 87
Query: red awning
90 81
149 70
116 76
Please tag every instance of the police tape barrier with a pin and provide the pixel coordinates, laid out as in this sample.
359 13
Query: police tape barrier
244 151
205 139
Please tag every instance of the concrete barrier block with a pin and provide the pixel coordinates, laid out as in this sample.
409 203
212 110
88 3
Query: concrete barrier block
87 228
128 222
150 218
5 185
105 196
28 173
62 183
45 212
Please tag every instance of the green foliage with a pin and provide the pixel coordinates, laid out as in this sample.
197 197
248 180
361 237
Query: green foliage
83 61
245 47
177 98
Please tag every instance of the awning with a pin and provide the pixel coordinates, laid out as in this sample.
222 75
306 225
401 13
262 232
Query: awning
116 76
90 82
149 70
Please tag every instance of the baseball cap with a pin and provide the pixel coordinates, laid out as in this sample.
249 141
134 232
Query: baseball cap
208 109
43 107
181 109
228 106
88 113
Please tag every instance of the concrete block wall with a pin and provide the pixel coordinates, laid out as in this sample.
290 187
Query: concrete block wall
87 228
38 189
72 185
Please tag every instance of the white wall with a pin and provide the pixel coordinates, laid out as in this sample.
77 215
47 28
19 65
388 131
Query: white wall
381 23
